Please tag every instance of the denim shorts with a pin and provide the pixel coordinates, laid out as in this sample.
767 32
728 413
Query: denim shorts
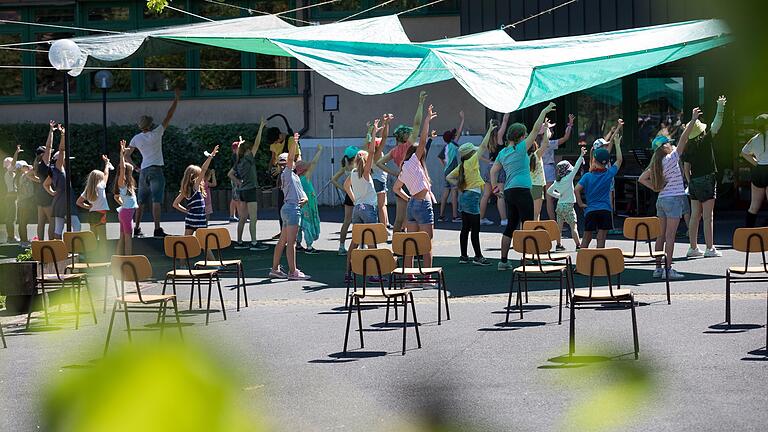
365 213
672 206
151 185
379 186
469 202
549 172
448 185
290 214
420 211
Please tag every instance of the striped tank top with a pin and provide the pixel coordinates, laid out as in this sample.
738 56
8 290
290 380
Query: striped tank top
195 217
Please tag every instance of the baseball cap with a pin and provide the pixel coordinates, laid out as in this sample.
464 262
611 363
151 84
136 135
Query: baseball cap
351 152
599 143
602 156
660 141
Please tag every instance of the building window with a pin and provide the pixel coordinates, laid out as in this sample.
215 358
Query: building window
49 81
276 79
660 108
347 7
121 80
219 80
598 109
10 14
342 6
272 6
11 80
51 15
109 14
164 80
218 11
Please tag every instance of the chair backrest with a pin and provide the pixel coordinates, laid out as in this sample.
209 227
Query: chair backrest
599 262
369 234
751 239
49 252
531 242
131 268
642 228
372 262
213 238
181 247
80 241
411 244
549 226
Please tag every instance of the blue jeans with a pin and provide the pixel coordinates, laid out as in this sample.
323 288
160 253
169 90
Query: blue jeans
151 185
469 202
290 214
420 211
365 213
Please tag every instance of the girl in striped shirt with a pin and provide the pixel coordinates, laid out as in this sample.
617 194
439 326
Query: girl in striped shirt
193 196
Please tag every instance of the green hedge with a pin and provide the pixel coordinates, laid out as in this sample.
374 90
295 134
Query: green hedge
181 147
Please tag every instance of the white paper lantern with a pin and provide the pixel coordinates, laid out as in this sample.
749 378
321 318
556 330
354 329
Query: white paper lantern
65 55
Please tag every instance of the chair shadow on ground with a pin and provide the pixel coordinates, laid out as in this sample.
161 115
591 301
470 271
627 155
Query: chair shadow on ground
760 354
578 361
725 328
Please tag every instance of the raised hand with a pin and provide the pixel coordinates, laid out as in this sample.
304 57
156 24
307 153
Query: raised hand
52 124
721 101
619 124
18 149
431 113
105 158
583 151
296 138
551 107
61 128
696 113
215 151
571 119
240 140
422 96
461 115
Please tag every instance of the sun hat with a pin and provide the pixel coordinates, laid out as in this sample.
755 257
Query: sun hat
761 121
145 122
466 149
602 156
282 158
698 128
660 141
563 168
599 143
21 164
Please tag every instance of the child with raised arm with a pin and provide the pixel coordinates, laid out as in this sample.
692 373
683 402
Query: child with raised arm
378 174
94 199
449 159
596 184
344 171
290 214
310 215
405 136
56 186
9 202
191 193
562 191
125 195
245 177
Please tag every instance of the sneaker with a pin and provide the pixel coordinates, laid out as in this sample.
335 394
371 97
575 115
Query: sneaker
481 261
137 232
694 253
615 231
241 245
159 233
559 248
256 247
504 266
673 274
503 222
486 221
390 227
712 253
441 219
299 247
233 219
456 220
278 274
342 250
298 275
658 273
463 259
311 251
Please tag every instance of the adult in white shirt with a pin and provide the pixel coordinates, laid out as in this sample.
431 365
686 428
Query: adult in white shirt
756 153
149 142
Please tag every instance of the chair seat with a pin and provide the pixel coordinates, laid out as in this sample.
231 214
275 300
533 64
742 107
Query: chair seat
744 270
70 277
134 298
225 263
86 266
415 270
654 254
374 292
544 269
601 294
552 256
190 274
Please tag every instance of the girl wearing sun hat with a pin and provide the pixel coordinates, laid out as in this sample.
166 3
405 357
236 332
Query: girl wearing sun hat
702 187
756 153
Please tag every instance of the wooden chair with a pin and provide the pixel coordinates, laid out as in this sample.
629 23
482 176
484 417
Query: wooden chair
381 263
84 242
601 263
53 252
747 240
370 235
553 230
534 246
645 229
416 245
183 249
137 269
216 240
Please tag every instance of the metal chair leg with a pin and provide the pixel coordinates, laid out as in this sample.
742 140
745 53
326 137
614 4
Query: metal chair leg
237 287
509 300
572 332
90 299
2 336
178 321
199 293
208 305
127 322
192 294
221 298
359 322
349 321
386 316
445 296
667 265
77 306
520 294
109 331
634 327
405 321
439 300
415 320
728 297
163 311
560 309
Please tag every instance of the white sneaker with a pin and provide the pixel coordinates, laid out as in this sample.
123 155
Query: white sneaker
503 222
504 266
298 275
486 221
673 274
712 253
694 253
658 273
342 250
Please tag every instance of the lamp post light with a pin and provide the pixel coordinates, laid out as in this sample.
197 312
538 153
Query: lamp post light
64 55
103 80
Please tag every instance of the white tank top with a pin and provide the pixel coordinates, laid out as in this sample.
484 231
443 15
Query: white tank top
363 189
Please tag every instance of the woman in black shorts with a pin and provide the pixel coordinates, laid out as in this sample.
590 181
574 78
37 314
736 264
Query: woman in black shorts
756 153
44 202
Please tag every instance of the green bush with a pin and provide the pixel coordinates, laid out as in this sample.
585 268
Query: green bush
181 147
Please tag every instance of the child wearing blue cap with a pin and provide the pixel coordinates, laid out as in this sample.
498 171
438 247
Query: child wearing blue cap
346 168
596 185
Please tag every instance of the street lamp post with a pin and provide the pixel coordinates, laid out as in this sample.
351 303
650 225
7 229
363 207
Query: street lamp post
65 55
103 80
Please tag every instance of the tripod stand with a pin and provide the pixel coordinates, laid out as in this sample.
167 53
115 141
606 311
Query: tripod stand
335 192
